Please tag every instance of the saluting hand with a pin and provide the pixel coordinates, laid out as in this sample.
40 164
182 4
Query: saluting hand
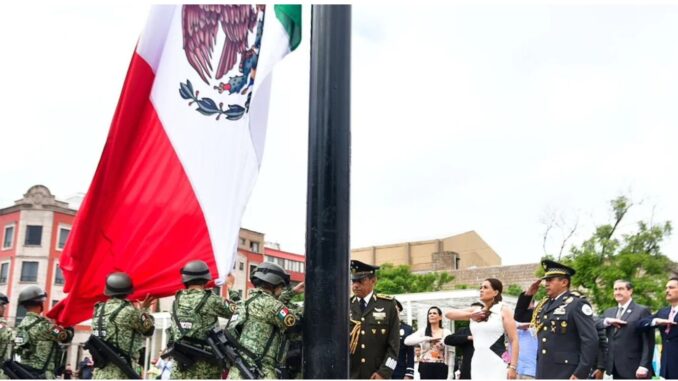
300 288
478 315
659 321
534 287
376 376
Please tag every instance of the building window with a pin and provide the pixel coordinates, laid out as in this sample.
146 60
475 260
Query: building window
242 266
63 236
29 271
252 268
20 314
8 237
58 275
243 241
254 247
4 270
33 235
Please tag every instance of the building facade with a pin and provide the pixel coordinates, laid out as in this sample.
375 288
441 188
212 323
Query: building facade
457 252
34 233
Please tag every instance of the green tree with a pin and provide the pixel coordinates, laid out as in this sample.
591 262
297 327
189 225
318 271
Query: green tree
400 280
607 256
513 290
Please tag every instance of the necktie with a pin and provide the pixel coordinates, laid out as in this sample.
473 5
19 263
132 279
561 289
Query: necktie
672 315
620 311
363 305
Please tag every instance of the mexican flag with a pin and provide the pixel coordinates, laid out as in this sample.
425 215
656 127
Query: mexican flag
183 151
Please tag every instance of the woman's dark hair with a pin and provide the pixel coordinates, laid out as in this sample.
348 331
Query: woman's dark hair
496 285
428 323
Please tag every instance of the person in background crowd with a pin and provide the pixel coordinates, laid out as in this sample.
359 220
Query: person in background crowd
433 363
405 367
527 358
665 320
629 351
68 372
463 341
85 368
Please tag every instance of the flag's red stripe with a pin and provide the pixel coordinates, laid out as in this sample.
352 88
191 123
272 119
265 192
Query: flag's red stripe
140 214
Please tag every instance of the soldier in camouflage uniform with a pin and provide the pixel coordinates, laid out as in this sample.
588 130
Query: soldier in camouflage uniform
6 334
263 320
120 324
37 339
195 312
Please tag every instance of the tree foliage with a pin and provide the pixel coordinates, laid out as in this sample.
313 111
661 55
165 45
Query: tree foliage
636 256
400 280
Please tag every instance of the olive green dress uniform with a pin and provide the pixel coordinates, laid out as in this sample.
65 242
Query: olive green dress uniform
377 331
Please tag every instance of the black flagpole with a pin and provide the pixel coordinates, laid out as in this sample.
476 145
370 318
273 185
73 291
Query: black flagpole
326 306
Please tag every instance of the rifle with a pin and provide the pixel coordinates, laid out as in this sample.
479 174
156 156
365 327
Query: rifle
226 351
16 371
102 351
186 354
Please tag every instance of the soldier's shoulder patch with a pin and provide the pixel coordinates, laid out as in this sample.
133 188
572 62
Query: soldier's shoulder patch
286 317
586 309
385 297
232 307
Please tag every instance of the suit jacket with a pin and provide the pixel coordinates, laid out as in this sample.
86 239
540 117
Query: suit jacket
460 340
627 348
669 356
405 365
378 337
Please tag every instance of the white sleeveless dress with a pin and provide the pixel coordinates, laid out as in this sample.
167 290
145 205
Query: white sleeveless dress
485 363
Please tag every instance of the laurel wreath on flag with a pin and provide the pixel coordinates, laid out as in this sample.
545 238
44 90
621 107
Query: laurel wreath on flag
207 106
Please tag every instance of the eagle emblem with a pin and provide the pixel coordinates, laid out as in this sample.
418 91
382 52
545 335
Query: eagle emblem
237 29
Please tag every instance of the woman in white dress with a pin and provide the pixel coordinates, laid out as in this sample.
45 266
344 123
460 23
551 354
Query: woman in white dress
433 363
488 325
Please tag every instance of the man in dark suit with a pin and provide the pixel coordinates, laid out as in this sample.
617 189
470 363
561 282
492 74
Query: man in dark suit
629 351
405 367
666 321
375 327
563 322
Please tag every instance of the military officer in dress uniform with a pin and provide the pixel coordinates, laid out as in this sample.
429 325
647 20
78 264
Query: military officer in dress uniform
375 327
564 325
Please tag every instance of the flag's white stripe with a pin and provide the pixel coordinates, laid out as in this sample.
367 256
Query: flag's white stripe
152 40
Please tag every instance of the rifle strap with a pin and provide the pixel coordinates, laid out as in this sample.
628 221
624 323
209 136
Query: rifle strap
175 310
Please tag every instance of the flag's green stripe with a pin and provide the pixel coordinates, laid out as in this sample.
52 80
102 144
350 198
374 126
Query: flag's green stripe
290 17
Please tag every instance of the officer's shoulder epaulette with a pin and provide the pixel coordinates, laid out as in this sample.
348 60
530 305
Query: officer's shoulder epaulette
385 297
353 298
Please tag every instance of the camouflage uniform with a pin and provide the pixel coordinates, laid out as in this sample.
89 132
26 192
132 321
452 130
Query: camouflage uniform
198 311
294 336
37 342
6 339
125 332
262 317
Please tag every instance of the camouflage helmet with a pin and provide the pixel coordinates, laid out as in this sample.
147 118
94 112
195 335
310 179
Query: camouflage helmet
3 299
118 284
32 294
194 270
271 274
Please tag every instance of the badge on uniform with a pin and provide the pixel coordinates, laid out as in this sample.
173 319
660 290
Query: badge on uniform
559 311
402 332
379 314
186 324
587 310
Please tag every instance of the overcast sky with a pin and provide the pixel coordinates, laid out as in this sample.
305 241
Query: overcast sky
464 117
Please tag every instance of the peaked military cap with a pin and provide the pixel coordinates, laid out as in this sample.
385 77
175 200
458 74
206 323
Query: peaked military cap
360 270
555 269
